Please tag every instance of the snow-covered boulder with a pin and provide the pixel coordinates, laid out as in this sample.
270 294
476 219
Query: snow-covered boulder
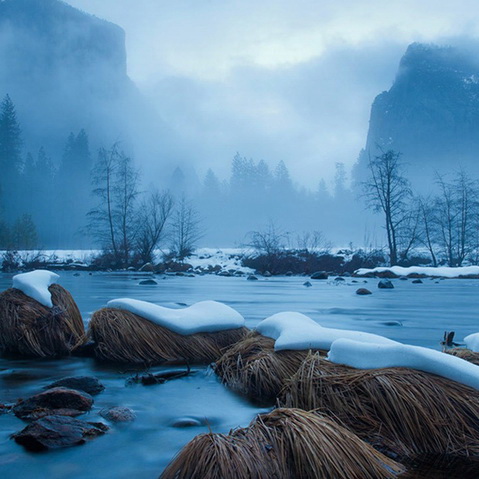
364 355
35 284
296 331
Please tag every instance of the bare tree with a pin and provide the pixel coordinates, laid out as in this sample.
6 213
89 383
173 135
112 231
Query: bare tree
456 216
186 229
427 227
154 214
269 242
388 191
313 242
113 221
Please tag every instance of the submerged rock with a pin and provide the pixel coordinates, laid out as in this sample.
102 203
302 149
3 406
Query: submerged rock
319 275
385 284
88 384
53 432
57 401
118 414
189 422
307 284
363 291
339 279
252 277
417 281
148 282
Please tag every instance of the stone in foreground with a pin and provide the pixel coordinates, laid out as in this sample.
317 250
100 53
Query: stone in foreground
88 384
56 401
53 432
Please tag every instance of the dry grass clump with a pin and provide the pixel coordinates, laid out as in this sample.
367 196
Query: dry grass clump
465 354
252 367
29 328
125 337
286 444
399 410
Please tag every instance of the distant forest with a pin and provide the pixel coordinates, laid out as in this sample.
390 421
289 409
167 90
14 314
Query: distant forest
45 202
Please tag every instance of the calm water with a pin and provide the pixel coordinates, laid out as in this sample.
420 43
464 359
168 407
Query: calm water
412 313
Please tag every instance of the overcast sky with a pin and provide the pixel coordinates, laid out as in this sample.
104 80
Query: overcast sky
274 79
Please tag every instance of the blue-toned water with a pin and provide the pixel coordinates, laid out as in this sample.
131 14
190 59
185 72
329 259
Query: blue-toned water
411 313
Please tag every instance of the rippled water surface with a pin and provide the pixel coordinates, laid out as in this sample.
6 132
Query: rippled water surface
411 313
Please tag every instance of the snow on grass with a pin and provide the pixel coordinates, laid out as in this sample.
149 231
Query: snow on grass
440 271
227 258
35 285
372 356
472 342
297 331
202 317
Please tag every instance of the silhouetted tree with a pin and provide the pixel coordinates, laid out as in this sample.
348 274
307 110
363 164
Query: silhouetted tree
154 214
186 229
114 221
387 191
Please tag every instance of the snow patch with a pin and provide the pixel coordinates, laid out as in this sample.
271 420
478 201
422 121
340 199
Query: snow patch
443 271
202 317
297 331
35 285
472 342
373 356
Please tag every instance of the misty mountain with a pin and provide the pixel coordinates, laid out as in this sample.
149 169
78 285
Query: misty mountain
65 70
431 112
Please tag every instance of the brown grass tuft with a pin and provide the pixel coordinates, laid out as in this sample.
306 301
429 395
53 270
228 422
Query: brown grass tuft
465 354
251 367
286 444
400 410
128 338
28 328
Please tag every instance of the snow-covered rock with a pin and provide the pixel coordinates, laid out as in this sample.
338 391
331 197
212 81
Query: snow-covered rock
472 342
372 356
441 271
297 331
202 317
35 285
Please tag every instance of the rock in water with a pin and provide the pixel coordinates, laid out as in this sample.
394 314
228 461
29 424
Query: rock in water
118 414
252 277
88 384
319 275
307 284
52 432
385 284
363 291
417 281
56 401
148 282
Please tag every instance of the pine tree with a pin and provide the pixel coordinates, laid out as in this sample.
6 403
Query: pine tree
10 140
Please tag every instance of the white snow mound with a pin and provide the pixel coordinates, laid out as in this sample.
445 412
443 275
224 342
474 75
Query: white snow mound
373 356
297 331
35 285
472 342
440 271
202 317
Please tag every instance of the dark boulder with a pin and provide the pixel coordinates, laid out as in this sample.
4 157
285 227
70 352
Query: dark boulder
339 279
307 284
385 284
417 281
56 401
319 275
53 432
118 414
148 282
87 384
252 277
363 291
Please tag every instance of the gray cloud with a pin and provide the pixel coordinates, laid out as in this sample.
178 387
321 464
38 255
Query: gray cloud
277 80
